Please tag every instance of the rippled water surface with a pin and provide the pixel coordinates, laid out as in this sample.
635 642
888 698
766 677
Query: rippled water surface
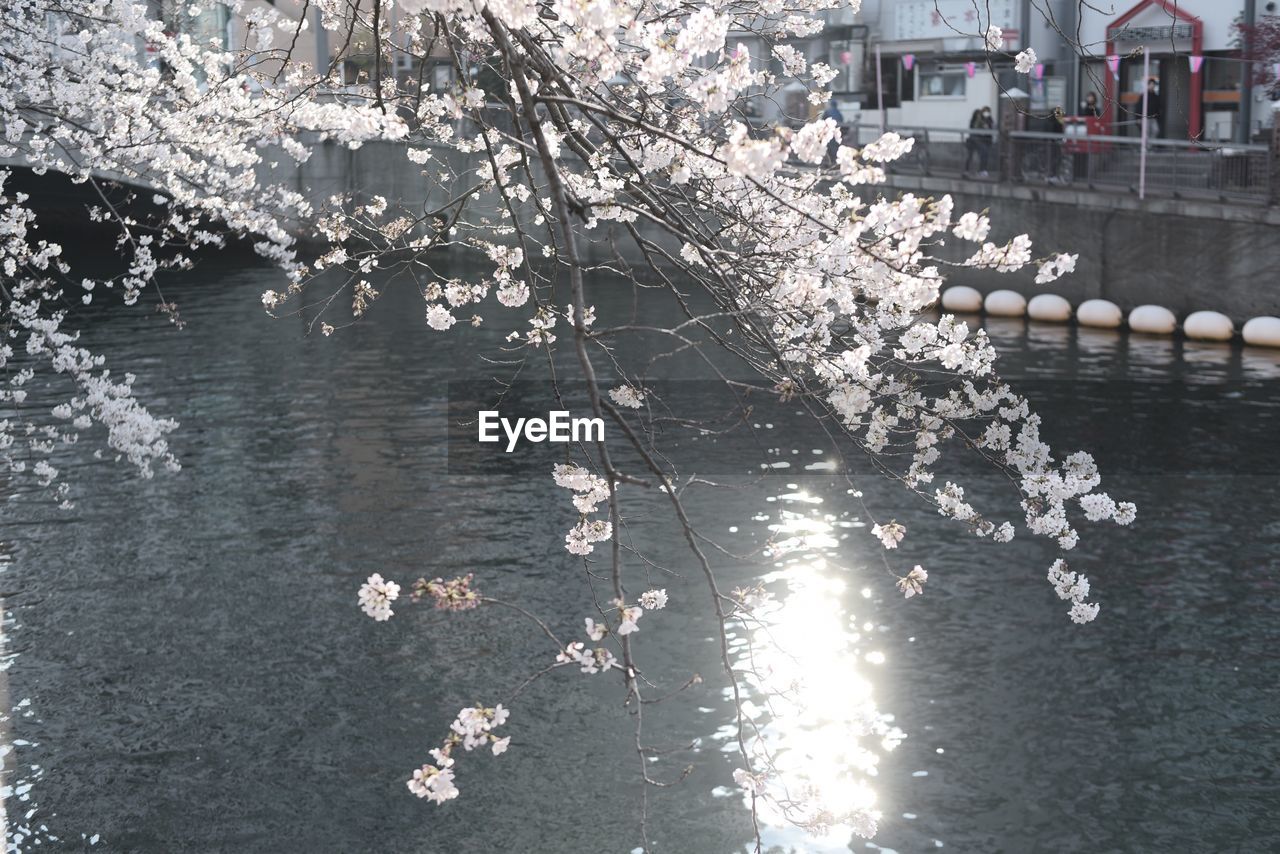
194 674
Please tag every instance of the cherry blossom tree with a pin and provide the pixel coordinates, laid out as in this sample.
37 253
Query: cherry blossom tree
623 124
1260 48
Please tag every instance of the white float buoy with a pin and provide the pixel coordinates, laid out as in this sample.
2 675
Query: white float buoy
1049 307
1153 319
1262 332
1005 304
1208 326
1101 313
961 298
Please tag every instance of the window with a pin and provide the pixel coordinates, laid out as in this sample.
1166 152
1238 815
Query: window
441 77
1222 74
845 57
942 83
899 83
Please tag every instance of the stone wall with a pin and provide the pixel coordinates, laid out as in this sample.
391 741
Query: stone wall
1184 255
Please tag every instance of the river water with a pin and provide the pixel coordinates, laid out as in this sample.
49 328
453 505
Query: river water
189 671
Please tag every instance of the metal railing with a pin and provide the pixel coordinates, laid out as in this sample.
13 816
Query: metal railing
946 151
1174 168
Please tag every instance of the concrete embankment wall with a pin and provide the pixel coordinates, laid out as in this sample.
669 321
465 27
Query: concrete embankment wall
1185 255
373 169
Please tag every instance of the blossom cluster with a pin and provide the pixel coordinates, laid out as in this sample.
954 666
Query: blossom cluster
472 728
589 490
805 806
753 598
590 660
600 659
1074 588
1025 60
889 534
376 595
1055 268
35 320
455 594
628 396
912 584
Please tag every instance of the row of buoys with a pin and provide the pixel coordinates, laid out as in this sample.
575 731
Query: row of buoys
1104 314
1100 313
1153 320
1262 331
1049 307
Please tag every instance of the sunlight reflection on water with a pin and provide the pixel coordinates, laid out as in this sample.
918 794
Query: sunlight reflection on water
811 669
204 752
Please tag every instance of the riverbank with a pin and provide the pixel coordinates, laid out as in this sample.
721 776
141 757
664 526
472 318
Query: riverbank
1185 255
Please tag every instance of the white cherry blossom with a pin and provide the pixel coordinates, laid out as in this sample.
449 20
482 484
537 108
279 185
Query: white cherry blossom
889 534
912 584
653 600
376 596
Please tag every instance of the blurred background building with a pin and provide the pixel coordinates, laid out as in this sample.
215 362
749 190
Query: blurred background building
933 69
1216 62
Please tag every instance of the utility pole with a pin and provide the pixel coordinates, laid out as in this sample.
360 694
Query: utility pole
322 42
1246 71
879 89
1072 18
1146 123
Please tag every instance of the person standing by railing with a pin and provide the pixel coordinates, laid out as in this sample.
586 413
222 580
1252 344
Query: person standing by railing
1153 114
979 143
1089 107
833 112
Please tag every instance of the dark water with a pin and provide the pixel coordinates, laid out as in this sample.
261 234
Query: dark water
191 673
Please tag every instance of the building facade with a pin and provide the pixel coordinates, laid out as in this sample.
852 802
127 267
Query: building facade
923 63
934 71
930 59
1195 57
